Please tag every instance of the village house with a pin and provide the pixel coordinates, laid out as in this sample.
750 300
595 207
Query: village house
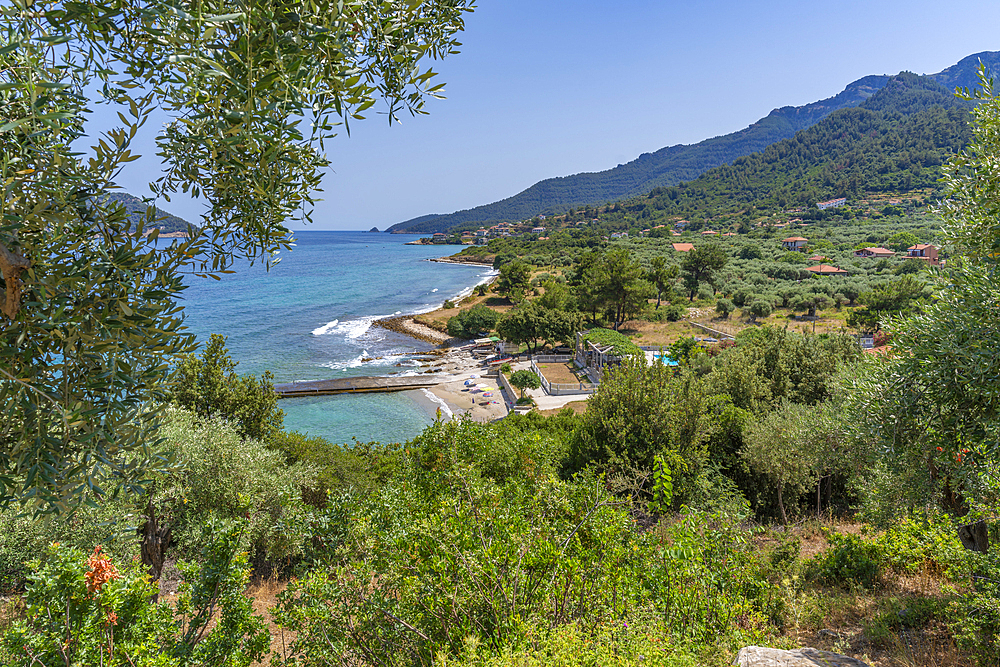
826 270
926 252
537 230
683 247
795 243
878 253
833 203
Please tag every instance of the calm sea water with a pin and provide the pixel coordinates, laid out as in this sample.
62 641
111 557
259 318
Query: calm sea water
310 318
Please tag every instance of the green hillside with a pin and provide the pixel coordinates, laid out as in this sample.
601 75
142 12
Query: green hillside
894 142
136 209
666 166
676 164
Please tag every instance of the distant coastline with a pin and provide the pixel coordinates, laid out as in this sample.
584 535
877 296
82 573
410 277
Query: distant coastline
461 262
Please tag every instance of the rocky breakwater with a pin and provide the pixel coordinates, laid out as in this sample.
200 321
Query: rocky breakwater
464 261
406 326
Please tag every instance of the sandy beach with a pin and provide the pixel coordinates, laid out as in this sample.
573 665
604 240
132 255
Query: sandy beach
460 400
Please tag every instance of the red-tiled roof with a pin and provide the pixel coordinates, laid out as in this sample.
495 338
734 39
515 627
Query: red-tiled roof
683 247
825 269
792 239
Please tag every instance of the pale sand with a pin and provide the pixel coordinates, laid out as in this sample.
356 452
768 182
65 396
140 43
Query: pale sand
458 366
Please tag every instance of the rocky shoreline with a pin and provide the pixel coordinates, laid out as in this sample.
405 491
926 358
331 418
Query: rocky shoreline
462 262
405 325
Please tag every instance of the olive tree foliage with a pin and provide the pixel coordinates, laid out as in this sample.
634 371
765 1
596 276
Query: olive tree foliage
641 411
209 386
88 313
930 414
795 447
525 379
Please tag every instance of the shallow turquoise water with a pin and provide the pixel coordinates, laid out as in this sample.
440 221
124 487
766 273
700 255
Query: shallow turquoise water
310 318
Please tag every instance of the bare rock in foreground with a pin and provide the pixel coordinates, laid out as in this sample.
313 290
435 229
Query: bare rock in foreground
759 656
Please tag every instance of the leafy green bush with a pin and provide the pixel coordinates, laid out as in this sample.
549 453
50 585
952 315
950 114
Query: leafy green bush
224 477
976 614
675 312
210 387
472 322
84 611
470 570
620 344
851 561
361 466
903 613
924 541
23 536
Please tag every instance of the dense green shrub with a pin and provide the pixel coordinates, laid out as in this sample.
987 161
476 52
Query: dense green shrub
222 477
637 412
210 387
976 613
851 561
361 466
620 344
924 541
911 612
24 537
674 312
87 611
473 322
471 566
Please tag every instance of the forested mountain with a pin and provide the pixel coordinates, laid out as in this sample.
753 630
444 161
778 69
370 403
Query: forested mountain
136 209
676 164
894 142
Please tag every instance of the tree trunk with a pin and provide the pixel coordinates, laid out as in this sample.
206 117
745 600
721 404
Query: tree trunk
975 537
819 496
781 506
155 542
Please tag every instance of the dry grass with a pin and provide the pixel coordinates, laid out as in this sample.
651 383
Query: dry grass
264 593
847 621
559 373
578 407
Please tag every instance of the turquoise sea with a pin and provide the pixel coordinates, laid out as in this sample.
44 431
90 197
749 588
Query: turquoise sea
310 318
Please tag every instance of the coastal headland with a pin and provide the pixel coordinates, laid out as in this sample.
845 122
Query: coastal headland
405 324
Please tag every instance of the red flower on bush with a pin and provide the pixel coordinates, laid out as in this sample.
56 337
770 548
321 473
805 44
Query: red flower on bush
101 571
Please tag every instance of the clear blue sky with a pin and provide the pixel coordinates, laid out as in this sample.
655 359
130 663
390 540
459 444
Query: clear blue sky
548 88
